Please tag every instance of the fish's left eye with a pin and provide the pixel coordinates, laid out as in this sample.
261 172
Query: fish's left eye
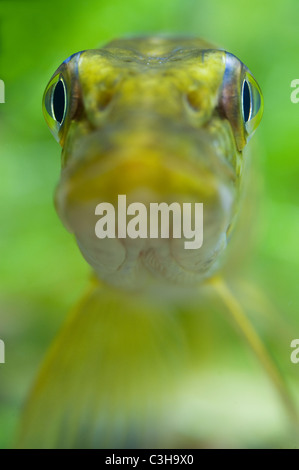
251 103
59 101
55 104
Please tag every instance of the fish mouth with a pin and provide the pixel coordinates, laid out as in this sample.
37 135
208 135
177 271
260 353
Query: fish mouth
147 171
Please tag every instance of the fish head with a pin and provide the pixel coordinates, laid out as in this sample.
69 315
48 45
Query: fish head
157 120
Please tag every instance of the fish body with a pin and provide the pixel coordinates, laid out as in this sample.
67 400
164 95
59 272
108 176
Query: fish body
163 120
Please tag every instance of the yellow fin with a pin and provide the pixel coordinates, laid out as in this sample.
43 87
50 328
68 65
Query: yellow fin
107 379
254 341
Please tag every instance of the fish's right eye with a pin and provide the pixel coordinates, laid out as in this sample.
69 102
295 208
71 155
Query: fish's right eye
241 100
55 104
251 103
246 101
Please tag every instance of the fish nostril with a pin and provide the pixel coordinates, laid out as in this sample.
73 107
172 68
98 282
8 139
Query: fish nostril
193 100
105 99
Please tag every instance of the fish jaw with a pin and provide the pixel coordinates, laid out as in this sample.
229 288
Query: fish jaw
147 167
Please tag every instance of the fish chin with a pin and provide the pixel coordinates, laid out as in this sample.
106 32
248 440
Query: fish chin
132 262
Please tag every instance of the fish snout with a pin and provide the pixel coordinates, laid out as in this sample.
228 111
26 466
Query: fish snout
163 211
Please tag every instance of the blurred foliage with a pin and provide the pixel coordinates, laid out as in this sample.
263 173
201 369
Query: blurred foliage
42 272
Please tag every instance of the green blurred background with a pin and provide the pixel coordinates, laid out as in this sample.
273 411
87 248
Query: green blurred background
41 270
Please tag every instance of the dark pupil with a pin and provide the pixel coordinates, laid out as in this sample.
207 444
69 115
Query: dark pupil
246 101
59 102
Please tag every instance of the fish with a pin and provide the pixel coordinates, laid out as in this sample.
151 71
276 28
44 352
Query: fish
158 120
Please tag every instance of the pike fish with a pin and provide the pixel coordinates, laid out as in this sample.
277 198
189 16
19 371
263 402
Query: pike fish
157 119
